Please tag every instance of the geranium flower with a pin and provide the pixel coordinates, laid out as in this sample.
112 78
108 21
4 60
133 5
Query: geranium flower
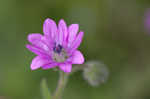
57 47
147 20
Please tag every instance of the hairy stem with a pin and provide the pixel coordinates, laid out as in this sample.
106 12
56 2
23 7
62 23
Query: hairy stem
63 78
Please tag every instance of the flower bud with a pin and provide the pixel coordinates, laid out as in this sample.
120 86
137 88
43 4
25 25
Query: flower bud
95 73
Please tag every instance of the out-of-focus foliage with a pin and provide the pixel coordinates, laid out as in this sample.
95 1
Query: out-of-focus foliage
46 94
114 34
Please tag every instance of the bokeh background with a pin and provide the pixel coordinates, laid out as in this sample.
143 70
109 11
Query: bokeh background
114 34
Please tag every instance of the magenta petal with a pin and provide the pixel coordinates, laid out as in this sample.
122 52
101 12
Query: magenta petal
38 61
36 50
50 28
38 40
65 67
77 41
72 30
48 66
32 38
77 57
62 35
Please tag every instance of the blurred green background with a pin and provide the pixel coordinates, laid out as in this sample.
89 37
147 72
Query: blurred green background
114 35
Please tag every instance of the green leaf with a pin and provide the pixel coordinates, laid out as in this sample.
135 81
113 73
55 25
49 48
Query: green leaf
44 90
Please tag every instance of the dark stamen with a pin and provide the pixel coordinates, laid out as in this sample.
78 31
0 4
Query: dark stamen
57 48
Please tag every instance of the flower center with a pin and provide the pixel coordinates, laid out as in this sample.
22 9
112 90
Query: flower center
58 49
59 54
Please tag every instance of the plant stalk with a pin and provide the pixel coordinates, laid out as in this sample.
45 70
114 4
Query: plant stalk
63 78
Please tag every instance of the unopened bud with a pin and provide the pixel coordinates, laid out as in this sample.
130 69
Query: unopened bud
95 73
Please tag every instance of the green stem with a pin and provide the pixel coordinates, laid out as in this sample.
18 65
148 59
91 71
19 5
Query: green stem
61 85
63 78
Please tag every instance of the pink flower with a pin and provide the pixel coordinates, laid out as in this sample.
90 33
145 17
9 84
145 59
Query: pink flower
147 20
57 47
